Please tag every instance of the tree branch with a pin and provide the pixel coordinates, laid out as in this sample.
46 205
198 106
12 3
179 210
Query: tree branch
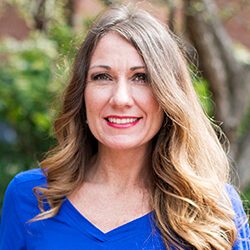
39 15
224 72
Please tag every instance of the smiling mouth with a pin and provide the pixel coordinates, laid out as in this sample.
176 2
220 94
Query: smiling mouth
121 120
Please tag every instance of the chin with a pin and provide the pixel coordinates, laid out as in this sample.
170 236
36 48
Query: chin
122 144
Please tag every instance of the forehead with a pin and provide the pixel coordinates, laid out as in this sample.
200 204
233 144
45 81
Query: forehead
113 48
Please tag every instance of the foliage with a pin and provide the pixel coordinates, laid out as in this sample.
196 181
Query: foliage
202 90
53 11
24 76
32 74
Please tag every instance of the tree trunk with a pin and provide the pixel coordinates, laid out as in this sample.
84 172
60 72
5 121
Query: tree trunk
69 12
39 15
228 77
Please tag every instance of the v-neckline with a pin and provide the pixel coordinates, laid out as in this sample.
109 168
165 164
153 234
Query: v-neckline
127 229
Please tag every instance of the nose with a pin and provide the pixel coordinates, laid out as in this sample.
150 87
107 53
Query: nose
122 94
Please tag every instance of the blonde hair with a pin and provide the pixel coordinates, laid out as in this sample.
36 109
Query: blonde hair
189 166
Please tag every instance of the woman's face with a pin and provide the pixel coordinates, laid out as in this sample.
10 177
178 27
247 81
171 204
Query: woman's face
122 112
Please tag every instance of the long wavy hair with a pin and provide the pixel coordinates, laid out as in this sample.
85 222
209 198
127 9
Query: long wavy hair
189 165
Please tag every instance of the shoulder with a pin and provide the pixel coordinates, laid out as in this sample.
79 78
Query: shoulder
20 191
23 183
240 219
19 206
237 205
235 200
28 180
33 175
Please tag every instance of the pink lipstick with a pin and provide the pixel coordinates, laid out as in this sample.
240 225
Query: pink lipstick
122 121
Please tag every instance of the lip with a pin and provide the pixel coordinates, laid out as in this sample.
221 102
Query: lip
122 125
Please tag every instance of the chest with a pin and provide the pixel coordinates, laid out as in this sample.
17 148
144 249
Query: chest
107 210
72 231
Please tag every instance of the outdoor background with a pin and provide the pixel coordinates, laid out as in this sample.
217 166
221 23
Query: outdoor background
38 40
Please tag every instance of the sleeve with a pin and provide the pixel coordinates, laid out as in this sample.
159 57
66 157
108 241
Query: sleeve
12 230
241 221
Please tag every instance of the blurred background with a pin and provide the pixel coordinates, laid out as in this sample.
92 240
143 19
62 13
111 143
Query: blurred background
38 41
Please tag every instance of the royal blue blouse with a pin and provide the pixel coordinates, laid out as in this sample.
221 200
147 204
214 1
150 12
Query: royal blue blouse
70 230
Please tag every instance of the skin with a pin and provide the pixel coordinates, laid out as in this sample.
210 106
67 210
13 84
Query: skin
117 186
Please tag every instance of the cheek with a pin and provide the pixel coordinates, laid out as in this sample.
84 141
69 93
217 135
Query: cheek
90 104
148 102
154 110
157 117
94 100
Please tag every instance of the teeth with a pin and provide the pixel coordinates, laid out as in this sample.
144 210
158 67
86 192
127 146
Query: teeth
122 121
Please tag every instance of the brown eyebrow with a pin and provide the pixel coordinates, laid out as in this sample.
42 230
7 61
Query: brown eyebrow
137 67
108 67
100 66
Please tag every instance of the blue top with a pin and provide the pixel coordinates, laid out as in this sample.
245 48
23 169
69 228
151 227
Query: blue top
72 231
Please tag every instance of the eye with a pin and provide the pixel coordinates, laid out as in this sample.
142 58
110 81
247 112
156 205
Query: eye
140 78
101 77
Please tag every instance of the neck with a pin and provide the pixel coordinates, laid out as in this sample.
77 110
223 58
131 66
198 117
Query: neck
122 169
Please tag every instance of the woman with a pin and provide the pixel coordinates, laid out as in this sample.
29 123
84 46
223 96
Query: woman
138 165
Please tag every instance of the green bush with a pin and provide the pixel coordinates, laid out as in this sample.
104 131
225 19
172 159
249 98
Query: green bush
32 75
